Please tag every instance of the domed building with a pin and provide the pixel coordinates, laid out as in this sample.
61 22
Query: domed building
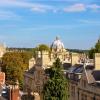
45 58
37 75
34 78
57 45
58 50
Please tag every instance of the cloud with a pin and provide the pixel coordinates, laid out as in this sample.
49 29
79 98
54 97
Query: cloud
42 8
80 7
75 8
13 3
46 27
38 7
33 6
87 21
64 0
94 6
6 15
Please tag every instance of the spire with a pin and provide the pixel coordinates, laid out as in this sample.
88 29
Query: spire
57 38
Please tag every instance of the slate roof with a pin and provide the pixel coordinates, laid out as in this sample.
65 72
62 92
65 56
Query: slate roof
77 68
66 66
90 77
90 67
96 75
32 70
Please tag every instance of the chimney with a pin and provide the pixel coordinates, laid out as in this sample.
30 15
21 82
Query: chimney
97 61
74 58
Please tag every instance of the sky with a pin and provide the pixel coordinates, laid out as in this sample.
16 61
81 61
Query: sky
28 23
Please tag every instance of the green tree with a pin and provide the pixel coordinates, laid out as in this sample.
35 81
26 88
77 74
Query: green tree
56 88
14 64
42 47
96 49
91 53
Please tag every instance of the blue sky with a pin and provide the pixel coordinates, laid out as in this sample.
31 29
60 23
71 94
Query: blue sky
27 23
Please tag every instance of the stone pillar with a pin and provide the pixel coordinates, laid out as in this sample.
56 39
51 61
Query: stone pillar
74 58
97 61
45 58
31 63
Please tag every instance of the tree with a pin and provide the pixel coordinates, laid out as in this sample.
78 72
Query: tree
14 64
56 88
43 47
96 49
91 52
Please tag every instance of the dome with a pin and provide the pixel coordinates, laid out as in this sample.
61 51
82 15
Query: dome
57 44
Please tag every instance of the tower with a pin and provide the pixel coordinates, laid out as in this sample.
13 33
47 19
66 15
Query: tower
74 58
97 61
42 58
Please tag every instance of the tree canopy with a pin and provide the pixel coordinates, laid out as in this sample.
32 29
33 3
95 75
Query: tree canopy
56 88
43 47
95 49
14 64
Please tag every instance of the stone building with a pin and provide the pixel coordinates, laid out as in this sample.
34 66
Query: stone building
2 50
37 74
85 80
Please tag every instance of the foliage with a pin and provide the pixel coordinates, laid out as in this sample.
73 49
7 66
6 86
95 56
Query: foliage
56 88
14 64
91 52
96 49
77 50
42 47
28 50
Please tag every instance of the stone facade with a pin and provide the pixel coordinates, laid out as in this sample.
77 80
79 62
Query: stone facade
2 50
97 61
37 75
85 85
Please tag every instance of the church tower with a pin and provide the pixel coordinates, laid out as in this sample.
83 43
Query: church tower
42 58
